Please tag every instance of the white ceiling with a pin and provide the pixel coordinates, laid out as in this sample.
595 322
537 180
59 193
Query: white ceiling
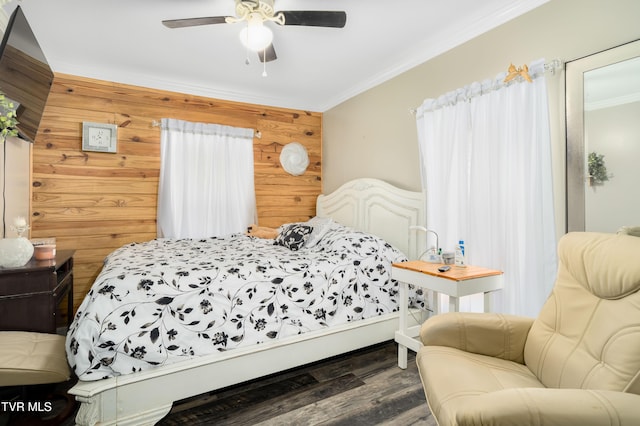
316 69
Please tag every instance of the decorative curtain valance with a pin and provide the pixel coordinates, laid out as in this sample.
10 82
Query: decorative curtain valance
464 94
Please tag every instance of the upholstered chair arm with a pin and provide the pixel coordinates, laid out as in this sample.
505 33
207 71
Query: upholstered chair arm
496 335
544 406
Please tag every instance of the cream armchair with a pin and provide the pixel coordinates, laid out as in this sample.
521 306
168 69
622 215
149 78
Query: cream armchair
578 363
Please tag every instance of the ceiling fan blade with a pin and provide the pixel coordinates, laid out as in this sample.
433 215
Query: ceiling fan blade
192 22
315 18
268 54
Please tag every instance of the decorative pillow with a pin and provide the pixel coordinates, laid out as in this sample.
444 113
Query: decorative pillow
321 225
293 236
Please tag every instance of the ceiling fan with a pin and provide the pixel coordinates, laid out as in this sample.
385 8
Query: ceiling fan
256 36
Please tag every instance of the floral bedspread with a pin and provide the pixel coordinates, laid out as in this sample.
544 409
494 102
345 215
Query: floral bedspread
163 301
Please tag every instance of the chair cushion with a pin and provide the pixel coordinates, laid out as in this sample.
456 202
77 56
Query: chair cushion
587 335
32 358
452 377
605 264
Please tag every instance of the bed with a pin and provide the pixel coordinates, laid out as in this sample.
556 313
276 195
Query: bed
140 388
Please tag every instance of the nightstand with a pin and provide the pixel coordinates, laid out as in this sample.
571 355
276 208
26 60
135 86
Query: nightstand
456 282
30 294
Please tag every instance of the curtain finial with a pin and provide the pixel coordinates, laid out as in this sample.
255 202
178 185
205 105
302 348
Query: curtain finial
514 72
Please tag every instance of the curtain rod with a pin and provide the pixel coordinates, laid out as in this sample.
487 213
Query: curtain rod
521 73
256 132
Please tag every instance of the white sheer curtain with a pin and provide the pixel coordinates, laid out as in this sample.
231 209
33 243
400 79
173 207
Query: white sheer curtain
486 169
206 180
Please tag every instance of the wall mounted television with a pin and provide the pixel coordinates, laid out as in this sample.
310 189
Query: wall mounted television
25 75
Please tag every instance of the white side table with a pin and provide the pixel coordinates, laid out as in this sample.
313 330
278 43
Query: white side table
456 282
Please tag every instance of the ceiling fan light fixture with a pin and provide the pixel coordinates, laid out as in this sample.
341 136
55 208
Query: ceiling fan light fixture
255 36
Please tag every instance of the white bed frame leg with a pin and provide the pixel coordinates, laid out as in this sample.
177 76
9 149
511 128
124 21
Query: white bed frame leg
87 414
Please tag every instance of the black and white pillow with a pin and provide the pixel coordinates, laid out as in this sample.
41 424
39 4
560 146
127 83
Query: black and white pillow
293 236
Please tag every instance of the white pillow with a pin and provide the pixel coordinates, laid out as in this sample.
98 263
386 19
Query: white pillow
321 225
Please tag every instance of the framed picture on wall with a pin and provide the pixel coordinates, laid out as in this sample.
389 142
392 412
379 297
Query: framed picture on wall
99 137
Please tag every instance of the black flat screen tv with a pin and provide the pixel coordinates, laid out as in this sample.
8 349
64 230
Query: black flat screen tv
25 74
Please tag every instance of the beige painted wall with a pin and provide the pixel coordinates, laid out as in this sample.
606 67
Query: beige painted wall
374 134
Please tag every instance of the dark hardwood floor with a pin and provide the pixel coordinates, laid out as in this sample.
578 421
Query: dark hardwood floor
365 387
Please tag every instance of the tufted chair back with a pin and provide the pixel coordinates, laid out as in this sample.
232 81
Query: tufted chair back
587 335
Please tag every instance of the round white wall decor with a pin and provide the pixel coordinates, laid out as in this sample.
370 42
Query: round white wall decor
294 158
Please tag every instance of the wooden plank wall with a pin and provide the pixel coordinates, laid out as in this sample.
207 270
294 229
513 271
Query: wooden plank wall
95 202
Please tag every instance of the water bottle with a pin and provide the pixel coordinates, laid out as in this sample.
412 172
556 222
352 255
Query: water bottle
459 254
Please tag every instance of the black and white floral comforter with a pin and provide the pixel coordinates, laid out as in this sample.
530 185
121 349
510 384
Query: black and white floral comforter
166 300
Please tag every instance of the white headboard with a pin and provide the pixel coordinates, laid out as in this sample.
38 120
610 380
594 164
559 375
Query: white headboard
374 206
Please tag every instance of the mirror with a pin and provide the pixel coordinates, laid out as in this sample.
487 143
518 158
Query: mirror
603 140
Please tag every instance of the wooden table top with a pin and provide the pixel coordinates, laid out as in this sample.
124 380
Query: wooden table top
456 273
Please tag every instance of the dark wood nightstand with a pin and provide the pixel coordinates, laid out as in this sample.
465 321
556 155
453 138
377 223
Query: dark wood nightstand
30 295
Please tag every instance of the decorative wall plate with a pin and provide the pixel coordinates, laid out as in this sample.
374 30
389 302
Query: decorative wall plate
99 137
294 158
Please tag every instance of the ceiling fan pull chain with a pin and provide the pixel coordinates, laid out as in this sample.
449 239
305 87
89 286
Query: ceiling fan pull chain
246 50
264 63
